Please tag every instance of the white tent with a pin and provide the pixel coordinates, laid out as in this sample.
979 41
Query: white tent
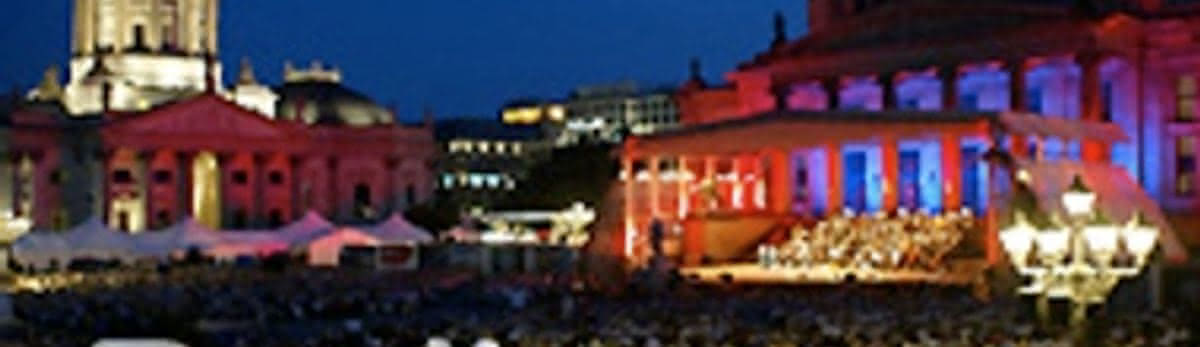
92 239
397 229
327 249
311 224
182 236
40 248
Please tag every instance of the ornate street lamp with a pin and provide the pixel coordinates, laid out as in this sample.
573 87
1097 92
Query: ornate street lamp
1077 260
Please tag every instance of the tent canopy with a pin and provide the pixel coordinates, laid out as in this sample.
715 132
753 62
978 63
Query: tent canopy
397 229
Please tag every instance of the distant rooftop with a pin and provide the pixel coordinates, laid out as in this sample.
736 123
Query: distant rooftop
484 129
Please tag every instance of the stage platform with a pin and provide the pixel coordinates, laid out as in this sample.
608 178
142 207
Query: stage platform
751 273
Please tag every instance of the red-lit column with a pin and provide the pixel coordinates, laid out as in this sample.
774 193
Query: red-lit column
757 186
623 241
833 159
710 198
890 152
1091 108
779 196
737 190
654 186
681 183
1017 69
948 74
951 172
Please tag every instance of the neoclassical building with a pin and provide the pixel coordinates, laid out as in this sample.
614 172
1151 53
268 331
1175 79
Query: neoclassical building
892 104
143 134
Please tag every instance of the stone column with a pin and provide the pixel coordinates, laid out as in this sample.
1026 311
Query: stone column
186 37
951 172
890 159
79 32
887 86
122 29
336 204
154 30
143 190
948 74
258 175
780 189
184 184
833 89
628 229
299 201
833 160
681 183
737 193
1090 104
712 192
210 24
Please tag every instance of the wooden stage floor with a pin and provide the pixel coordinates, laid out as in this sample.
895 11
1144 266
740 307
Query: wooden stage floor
752 273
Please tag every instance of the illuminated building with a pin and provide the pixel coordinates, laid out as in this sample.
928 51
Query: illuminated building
144 136
607 113
893 104
482 161
527 112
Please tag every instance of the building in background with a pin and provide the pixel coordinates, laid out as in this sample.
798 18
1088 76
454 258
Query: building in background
889 105
143 135
608 113
482 161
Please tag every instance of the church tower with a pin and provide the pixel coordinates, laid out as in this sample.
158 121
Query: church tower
155 50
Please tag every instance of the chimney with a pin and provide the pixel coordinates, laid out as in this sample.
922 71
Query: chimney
780 29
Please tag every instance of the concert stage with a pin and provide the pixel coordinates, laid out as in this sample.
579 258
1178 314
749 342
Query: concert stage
752 273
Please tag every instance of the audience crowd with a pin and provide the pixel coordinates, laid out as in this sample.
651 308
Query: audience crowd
306 307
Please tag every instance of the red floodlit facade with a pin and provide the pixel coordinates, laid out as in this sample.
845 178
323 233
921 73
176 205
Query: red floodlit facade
887 105
208 158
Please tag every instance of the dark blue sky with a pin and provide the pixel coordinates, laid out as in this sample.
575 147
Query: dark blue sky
462 57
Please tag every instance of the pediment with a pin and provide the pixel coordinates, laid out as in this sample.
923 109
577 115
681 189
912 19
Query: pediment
205 115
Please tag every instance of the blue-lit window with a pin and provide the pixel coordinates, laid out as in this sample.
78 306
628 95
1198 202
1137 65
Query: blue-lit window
1106 101
968 102
1033 100
1185 98
447 181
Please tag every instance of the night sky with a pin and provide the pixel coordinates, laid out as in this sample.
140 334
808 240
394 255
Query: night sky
461 57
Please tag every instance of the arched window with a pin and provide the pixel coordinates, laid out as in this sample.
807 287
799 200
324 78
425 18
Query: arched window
139 36
239 220
275 218
362 201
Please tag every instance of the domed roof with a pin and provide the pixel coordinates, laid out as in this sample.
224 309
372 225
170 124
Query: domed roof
322 102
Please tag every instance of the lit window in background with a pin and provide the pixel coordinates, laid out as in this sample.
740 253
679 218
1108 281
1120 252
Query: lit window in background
1185 166
501 147
1185 96
476 180
556 113
493 181
448 181
484 147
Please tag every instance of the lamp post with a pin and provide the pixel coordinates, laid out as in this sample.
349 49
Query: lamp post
1081 260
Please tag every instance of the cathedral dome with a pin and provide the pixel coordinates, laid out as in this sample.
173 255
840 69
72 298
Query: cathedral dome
330 103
